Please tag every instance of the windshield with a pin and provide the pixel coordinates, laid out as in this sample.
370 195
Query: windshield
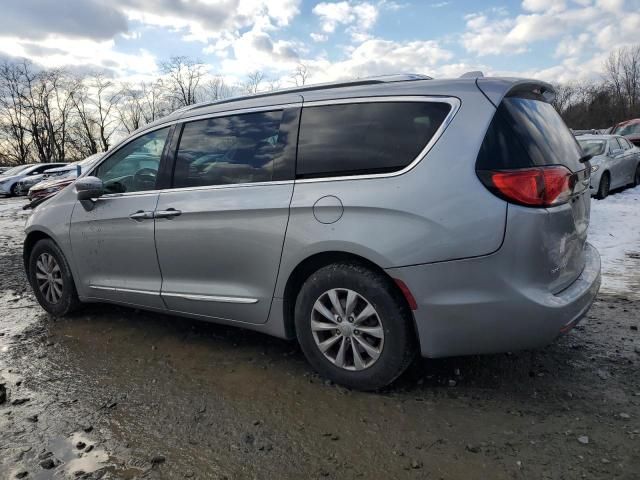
629 129
15 170
592 147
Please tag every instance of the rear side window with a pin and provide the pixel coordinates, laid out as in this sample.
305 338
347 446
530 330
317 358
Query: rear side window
226 150
360 138
526 133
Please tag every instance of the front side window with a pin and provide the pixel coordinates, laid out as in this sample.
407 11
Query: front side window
134 167
242 148
364 138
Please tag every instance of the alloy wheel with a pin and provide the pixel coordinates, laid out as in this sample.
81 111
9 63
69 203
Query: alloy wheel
49 278
347 329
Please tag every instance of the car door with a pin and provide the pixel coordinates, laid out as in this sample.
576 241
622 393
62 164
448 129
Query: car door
615 163
221 228
113 241
630 160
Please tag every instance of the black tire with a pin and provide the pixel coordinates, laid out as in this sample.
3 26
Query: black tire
13 191
603 188
399 347
636 177
68 298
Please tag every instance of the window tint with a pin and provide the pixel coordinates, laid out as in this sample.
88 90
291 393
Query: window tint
134 167
242 148
527 133
362 138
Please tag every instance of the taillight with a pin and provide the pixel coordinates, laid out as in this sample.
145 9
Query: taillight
532 187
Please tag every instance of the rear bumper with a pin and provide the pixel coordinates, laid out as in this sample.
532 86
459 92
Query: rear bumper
475 306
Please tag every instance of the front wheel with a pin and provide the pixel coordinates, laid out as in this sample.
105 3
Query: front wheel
13 191
51 279
603 188
353 327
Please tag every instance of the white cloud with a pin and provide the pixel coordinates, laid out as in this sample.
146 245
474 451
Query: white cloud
357 17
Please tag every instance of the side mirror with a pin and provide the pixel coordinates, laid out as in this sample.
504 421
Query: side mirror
89 188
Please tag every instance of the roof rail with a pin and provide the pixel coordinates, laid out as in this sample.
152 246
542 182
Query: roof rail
318 86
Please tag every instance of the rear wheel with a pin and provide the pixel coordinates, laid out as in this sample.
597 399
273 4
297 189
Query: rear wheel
353 327
51 280
603 189
636 177
14 190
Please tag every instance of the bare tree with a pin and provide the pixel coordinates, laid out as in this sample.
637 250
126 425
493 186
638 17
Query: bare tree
301 75
183 77
14 135
252 85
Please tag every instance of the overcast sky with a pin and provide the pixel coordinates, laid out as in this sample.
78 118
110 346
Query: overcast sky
551 39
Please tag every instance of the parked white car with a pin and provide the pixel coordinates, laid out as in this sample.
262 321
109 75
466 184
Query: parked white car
9 179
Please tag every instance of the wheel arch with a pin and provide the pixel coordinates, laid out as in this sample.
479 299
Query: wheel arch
33 237
315 262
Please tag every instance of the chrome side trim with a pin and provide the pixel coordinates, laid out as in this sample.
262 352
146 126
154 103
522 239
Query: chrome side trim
123 290
452 101
211 298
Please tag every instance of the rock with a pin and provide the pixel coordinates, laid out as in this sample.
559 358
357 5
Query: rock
452 383
634 328
3 393
22 474
473 448
257 422
189 474
605 460
248 438
584 440
111 404
626 416
157 460
32 418
80 445
79 473
20 401
416 464
48 464
87 428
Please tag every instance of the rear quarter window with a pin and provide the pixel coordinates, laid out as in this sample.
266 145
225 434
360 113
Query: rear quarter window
528 133
364 138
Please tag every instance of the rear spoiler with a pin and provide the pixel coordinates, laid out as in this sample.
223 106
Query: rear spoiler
495 89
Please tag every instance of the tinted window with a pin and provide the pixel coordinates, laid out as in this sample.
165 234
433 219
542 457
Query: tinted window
224 150
528 133
134 167
625 143
365 137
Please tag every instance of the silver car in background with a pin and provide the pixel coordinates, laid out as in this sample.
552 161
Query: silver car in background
615 162
369 220
9 179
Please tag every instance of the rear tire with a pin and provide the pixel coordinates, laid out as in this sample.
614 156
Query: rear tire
603 188
636 177
50 277
13 192
372 326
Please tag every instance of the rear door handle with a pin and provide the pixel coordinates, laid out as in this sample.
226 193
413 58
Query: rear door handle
168 213
141 215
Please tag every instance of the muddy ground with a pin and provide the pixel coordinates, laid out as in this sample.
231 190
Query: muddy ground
118 393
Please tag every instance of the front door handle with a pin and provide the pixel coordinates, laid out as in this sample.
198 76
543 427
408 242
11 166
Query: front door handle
141 215
168 213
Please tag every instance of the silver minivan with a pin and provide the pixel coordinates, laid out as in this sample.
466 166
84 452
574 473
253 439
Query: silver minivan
369 220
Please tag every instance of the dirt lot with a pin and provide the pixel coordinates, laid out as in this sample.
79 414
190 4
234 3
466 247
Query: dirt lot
118 393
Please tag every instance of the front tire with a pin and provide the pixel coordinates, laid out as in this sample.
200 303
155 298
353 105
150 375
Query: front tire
354 327
603 188
13 191
50 277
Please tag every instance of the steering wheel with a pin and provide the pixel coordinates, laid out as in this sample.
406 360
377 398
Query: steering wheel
145 179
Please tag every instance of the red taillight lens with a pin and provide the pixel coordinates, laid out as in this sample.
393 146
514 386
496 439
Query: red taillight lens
533 187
